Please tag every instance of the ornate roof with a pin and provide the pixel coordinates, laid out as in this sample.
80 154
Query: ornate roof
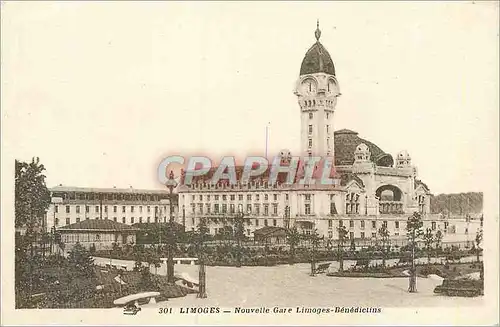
317 59
345 178
98 225
346 142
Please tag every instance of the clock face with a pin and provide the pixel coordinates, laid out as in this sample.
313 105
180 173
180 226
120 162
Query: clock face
309 87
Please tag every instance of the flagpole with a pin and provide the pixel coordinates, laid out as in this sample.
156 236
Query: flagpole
267 134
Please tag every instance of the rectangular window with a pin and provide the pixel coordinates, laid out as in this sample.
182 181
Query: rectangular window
286 197
249 208
208 207
351 223
216 197
362 234
231 208
310 143
341 223
384 223
114 219
87 209
131 208
362 224
249 197
327 129
68 209
97 209
256 222
224 197
433 225
106 209
275 197
396 224
266 210
123 220
330 223
149 209
333 208
123 209
310 129
216 208
115 209
374 235
307 209
149 219
257 197
56 209
78 219
224 208
374 224
208 197
201 197
275 222
257 209
307 197
140 209
67 221
311 115
140 220
240 197
232 197
265 222
351 235
275 209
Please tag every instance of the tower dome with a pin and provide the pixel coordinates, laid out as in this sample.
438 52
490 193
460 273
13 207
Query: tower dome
317 58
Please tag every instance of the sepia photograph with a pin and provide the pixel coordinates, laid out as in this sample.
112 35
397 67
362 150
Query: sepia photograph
246 163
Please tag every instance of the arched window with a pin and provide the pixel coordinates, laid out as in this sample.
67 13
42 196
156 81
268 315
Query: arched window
352 203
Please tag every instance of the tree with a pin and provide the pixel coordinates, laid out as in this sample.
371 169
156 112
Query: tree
314 240
293 238
428 241
81 258
438 238
342 239
383 232
413 233
479 240
32 198
239 233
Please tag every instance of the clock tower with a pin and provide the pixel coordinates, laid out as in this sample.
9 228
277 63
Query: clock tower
317 91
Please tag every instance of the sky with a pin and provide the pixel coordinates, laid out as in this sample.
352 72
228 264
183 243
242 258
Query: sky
103 91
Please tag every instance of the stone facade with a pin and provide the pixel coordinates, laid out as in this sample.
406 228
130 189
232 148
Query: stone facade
128 206
374 188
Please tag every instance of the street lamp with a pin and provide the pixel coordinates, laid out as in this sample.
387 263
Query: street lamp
239 227
170 184
202 286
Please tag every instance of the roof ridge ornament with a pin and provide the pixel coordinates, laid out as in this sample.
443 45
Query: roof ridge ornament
317 33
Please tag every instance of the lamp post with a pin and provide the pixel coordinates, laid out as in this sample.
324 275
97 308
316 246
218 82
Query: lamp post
202 290
52 238
238 231
170 184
